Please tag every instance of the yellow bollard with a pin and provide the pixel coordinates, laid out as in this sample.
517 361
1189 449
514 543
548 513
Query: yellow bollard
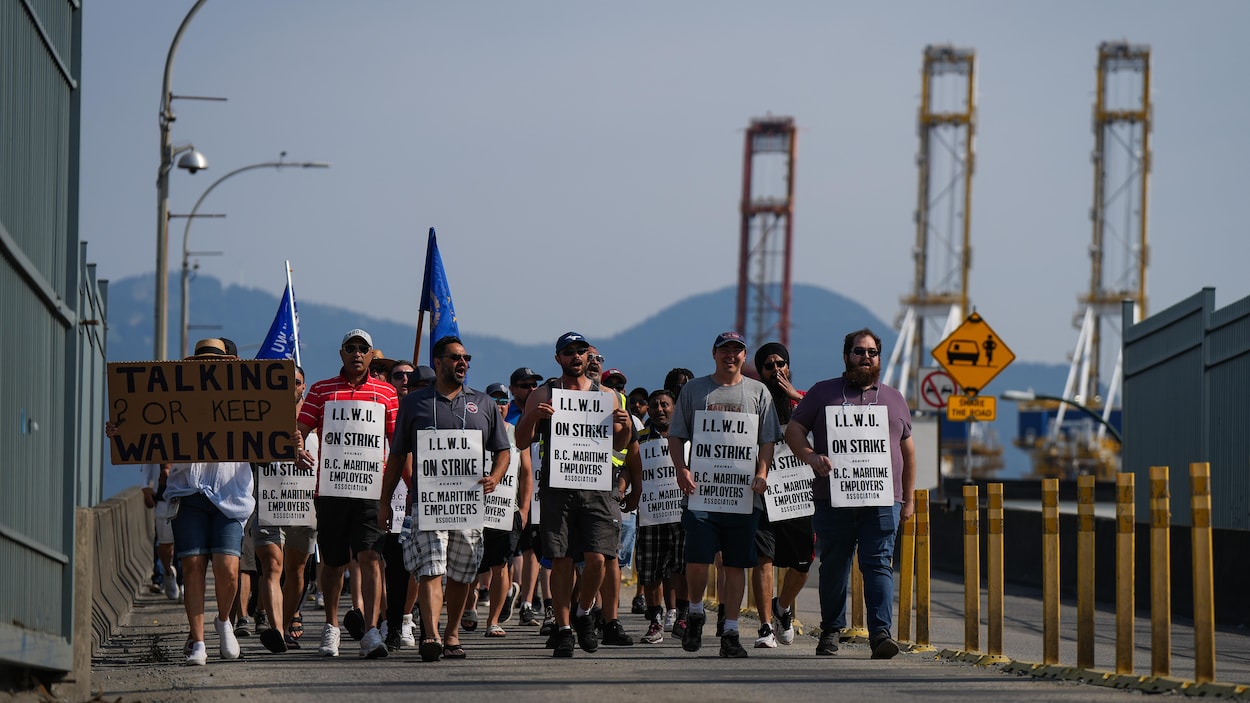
1085 572
1160 574
858 627
972 570
922 572
1125 562
994 567
906 578
1204 585
1050 571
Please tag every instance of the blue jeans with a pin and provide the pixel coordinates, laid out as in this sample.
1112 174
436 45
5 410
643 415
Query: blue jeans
629 534
838 531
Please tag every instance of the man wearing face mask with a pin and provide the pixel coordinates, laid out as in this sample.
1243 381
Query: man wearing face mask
865 465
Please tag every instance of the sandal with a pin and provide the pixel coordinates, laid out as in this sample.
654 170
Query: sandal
453 651
431 650
297 626
496 631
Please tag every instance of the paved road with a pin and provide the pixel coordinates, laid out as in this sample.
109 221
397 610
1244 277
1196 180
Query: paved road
144 663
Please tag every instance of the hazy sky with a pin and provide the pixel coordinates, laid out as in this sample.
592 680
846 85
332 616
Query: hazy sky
581 161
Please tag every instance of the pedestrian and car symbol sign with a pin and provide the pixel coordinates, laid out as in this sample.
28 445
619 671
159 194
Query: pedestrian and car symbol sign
973 354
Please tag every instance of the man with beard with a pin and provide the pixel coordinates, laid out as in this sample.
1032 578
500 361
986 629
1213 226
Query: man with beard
786 544
456 553
865 465
574 522
708 410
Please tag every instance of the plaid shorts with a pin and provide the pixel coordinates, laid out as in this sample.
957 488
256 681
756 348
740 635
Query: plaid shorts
661 552
456 553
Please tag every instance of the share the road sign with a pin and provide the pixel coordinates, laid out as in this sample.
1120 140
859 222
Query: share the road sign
981 408
973 354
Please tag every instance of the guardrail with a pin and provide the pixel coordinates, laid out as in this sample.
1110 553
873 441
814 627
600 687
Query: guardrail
122 538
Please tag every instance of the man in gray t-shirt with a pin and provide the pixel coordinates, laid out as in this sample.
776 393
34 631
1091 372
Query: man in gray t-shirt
722 404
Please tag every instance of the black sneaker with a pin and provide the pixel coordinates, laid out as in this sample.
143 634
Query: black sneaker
730 647
680 625
596 617
241 628
392 641
354 623
553 639
720 620
549 621
639 605
564 644
262 622
828 643
614 634
587 638
883 646
692 638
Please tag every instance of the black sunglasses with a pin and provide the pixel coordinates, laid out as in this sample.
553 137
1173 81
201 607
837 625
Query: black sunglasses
770 365
356 348
870 353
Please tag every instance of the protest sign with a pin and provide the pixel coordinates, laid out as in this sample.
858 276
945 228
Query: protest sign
353 449
581 440
859 451
789 492
722 461
284 492
446 468
501 502
661 497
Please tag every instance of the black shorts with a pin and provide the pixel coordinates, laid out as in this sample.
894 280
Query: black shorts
576 521
499 546
790 544
345 528
530 539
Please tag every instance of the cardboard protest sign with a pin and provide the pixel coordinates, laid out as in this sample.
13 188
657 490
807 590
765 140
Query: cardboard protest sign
722 461
446 468
202 410
284 492
789 492
581 440
660 503
353 449
859 450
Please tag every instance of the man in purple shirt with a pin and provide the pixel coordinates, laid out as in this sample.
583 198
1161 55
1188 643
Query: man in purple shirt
865 464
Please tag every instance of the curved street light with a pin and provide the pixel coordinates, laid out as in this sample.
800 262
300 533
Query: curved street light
186 232
1025 396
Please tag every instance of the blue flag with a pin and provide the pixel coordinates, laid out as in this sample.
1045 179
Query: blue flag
282 342
436 297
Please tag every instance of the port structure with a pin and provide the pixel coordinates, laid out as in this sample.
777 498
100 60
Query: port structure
767 231
938 301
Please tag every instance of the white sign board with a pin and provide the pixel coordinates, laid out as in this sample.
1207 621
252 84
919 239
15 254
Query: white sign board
501 502
789 486
661 497
284 492
722 461
859 449
447 465
581 440
353 449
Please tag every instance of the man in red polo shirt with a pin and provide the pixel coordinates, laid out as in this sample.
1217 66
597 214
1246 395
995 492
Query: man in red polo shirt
353 415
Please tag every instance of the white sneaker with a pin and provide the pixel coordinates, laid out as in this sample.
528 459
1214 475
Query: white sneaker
766 640
171 584
329 641
407 636
198 656
225 636
669 619
320 600
372 646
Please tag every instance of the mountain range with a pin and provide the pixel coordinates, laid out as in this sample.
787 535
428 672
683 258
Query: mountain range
680 335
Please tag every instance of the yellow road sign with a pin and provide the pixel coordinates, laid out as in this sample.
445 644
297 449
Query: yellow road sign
982 408
973 354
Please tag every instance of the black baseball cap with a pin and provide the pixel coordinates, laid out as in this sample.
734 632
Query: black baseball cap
522 374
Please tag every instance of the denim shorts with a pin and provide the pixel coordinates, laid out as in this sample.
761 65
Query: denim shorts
201 529
731 534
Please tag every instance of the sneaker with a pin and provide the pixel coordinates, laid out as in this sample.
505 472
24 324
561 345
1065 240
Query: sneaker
527 616
587 638
262 621
614 634
272 640
680 625
655 633
392 642
171 584
354 623
785 623
564 644
229 646
766 640
596 617
670 619
406 635
468 621
505 611
372 646
483 597
828 645
720 620
639 605
549 621
198 655
241 629
692 638
730 647
883 646
329 641
319 600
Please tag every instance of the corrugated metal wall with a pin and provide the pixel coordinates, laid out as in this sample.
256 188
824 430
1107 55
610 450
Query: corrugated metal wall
1186 383
46 468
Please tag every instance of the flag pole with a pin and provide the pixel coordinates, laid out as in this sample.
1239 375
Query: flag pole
416 346
291 302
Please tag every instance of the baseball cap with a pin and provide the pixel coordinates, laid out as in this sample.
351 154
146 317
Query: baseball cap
357 333
523 374
569 338
424 374
728 338
614 372
497 389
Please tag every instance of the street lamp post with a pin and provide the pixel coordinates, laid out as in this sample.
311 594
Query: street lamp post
1025 396
186 232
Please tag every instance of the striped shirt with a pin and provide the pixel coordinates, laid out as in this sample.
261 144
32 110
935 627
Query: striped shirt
339 388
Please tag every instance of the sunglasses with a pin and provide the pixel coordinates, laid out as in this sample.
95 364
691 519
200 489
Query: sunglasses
769 366
397 374
356 348
466 358
501 401
597 358
573 352
530 385
870 353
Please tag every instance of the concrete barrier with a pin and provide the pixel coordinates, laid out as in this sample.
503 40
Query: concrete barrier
122 544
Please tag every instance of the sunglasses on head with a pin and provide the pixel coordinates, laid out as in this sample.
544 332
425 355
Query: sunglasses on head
356 348
770 365
870 353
